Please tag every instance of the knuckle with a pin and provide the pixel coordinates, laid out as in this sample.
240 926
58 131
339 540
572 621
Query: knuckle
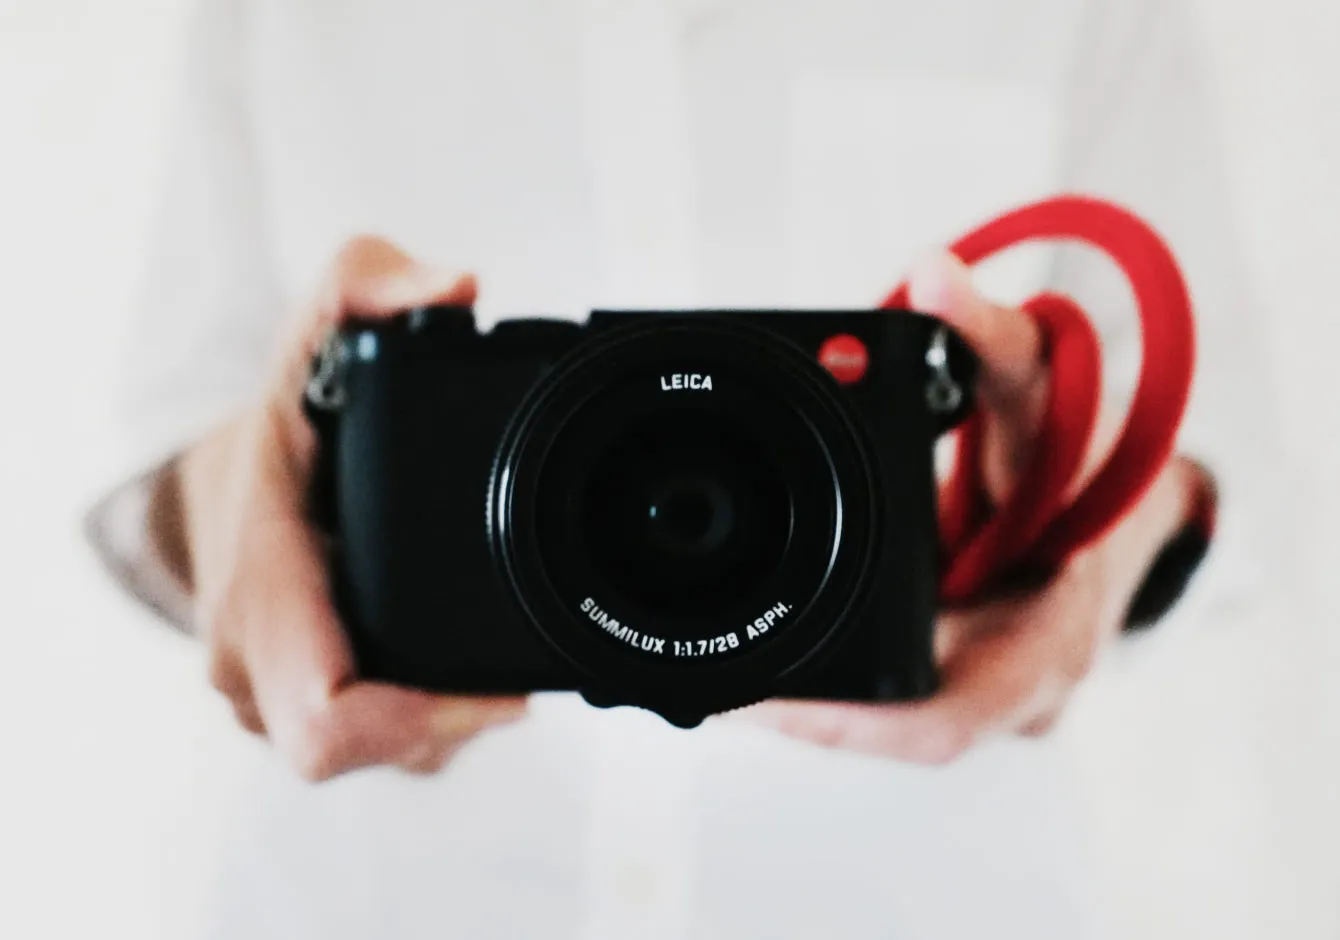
828 733
1039 727
228 677
222 672
248 716
226 673
428 758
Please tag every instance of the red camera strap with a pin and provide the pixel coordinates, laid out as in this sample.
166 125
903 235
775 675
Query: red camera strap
1037 527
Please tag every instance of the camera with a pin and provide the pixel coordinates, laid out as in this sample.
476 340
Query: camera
684 511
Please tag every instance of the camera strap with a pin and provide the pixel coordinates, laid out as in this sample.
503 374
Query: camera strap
1039 526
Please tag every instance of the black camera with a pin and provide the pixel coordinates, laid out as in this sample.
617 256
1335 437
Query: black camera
683 511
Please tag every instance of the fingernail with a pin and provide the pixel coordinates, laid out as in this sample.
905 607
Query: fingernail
938 282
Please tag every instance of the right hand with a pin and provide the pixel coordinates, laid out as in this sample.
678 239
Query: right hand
276 647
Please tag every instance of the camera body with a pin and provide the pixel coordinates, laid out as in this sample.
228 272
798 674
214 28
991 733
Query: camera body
683 511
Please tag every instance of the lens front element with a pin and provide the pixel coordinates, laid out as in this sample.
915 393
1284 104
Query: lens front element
686 514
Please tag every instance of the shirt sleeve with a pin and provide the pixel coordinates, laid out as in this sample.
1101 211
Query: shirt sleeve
208 313
1141 131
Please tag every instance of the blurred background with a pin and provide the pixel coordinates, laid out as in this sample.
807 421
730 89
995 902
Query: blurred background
117 760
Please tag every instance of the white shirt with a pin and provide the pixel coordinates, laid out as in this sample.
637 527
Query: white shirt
586 153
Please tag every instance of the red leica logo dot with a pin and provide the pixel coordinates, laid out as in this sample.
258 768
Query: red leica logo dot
845 357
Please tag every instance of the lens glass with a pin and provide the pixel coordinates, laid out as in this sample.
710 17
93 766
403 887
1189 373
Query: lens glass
686 514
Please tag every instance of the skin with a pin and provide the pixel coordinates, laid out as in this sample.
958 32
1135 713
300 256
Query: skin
276 649
1010 663
231 520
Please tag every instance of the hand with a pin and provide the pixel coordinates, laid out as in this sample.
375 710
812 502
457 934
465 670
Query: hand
276 647
1009 664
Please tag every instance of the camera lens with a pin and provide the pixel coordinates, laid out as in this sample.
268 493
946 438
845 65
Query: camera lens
685 510
685 513
690 515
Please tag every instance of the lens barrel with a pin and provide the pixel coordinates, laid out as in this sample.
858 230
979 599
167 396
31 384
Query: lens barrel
684 507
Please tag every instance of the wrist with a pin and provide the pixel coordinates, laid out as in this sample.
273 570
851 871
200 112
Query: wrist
165 526
1177 536
194 514
1163 512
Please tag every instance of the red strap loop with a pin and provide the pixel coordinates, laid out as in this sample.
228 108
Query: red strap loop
1035 527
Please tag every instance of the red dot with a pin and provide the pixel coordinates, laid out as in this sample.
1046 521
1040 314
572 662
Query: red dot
845 357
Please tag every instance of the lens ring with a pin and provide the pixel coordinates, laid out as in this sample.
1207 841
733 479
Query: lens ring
799 388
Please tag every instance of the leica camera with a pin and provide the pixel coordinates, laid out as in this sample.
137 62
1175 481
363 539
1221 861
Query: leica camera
684 511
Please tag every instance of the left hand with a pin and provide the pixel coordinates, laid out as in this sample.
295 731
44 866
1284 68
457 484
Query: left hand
1009 664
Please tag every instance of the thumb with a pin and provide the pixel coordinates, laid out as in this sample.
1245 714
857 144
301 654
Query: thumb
373 277
1012 385
1006 340
370 277
369 724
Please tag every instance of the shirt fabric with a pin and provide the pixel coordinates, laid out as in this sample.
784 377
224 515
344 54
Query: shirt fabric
672 153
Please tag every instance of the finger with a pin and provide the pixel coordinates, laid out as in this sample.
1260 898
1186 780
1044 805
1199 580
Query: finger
1006 340
228 676
373 277
369 724
1012 389
227 673
319 718
370 278
864 728
934 733
249 716
843 725
277 606
301 668
1016 664
1013 671
1041 725
952 631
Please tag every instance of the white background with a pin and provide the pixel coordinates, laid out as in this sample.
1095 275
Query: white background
115 760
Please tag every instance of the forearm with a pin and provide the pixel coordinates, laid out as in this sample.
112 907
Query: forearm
148 531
